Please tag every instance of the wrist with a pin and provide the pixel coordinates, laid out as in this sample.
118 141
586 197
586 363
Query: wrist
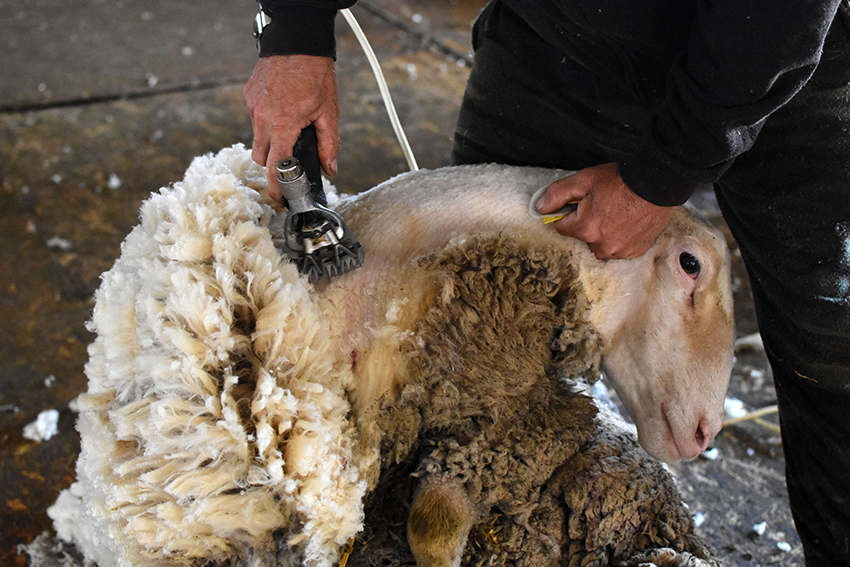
295 29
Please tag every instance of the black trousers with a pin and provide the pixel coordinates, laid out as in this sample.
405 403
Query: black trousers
787 202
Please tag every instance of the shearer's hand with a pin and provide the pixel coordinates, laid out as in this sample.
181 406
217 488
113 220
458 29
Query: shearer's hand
285 94
614 221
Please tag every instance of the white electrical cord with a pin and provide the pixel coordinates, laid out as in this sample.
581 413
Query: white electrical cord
382 86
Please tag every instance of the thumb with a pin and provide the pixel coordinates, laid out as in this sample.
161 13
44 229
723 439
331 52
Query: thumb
274 187
327 132
277 153
559 193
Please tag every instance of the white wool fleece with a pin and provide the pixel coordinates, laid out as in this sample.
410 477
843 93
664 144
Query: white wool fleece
215 415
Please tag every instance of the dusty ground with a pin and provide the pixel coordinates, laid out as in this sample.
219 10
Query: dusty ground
103 101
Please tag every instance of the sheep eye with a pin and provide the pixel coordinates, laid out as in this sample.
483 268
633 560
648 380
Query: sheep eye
689 263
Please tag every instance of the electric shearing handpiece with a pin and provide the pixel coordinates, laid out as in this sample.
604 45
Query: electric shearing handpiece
313 236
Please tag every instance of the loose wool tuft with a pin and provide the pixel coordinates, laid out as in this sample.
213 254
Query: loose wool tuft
215 425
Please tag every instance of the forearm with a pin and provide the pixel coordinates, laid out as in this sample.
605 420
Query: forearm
744 60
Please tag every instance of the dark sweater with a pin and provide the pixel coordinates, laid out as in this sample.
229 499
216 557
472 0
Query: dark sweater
714 70
301 27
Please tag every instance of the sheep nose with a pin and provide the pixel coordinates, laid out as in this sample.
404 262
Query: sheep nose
704 434
690 436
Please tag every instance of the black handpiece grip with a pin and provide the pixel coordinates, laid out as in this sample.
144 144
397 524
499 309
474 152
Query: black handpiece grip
306 151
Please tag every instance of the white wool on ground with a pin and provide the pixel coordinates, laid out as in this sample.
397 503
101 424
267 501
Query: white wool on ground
58 243
602 394
44 427
734 408
206 428
710 454
751 342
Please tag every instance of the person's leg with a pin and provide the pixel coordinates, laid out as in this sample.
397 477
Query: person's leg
787 202
519 109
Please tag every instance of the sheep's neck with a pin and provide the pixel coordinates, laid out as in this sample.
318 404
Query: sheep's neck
615 290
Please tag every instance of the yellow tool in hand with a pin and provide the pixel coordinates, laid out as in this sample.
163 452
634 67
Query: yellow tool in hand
570 207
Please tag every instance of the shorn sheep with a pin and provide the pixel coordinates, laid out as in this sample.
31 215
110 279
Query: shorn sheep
237 415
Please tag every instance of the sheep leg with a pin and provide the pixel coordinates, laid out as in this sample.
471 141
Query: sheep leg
439 522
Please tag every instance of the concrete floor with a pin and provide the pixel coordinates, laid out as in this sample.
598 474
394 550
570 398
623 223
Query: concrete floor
104 101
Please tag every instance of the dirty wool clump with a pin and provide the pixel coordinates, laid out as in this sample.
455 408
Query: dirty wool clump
613 487
213 422
503 320
610 504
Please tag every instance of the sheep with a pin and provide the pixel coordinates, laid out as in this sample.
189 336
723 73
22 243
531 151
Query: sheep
238 415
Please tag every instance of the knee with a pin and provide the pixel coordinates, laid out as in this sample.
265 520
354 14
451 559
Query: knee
439 523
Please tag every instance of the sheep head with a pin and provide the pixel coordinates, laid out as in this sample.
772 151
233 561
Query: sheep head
667 324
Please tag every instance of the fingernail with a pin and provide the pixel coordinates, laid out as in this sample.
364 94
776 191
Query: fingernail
540 204
333 167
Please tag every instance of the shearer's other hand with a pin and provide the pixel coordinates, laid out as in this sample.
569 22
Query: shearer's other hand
285 94
611 219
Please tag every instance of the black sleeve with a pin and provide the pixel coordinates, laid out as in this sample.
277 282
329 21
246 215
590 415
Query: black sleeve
744 60
301 27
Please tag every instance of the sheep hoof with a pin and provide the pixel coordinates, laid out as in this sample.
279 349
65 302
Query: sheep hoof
439 523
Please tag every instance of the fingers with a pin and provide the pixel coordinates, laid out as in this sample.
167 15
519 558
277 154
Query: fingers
571 189
281 146
561 192
327 132
610 218
620 251
578 226
281 143
284 95
619 233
